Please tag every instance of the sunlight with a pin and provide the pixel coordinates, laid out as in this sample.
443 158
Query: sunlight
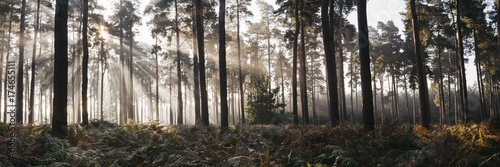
103 32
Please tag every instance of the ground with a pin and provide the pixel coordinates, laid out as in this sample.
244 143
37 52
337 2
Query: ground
396 144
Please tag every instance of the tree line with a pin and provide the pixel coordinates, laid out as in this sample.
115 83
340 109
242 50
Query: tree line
91 67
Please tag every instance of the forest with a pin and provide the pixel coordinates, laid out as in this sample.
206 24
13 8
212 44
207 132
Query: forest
249 83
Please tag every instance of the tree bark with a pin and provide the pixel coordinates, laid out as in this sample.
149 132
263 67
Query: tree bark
179 79
103 71
130 65
59 120
382 108
222 65
422 80
33 67
201 53
330 64
19 90
85 63
196 71
294 62
478 74
463 83
341 62
123 117
303 78
364 57
441 91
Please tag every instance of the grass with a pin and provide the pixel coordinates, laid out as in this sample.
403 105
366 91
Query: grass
396 144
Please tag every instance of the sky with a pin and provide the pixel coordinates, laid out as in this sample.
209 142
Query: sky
377 10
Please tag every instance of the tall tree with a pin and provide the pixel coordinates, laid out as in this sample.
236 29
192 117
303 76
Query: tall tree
59 116
330 64
364 59
85 63
201 53
222 64
33 66
294 62
240 76
19 88
303 73
422 79
463 80
196 72
123 93
179 83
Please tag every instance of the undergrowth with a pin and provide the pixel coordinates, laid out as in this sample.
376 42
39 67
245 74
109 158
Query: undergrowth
103 143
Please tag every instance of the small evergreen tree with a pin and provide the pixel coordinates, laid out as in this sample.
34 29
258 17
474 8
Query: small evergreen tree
262 104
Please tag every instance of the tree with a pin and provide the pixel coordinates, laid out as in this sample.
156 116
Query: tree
85 62
364 58
59 117
330 64
33 66
262 103
422 79
241 7
201 53
196 71
303 72
461 63
222 64
19 89
294 75
179 83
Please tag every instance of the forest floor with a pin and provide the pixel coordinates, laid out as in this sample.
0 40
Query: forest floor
396 144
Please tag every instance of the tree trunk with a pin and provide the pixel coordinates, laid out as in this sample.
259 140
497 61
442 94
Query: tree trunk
103 71
33 67
242 97
179 79
222 65
414 113
441 89
463 83
131 75
19 90
85 65
422 80
374 94
303 78
364 57
406 99
201 53
294 62
449 82
330 64
341 62
157 80
382 110
123 118
269 54
196 77
73 75
59 120
313 99
478 74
